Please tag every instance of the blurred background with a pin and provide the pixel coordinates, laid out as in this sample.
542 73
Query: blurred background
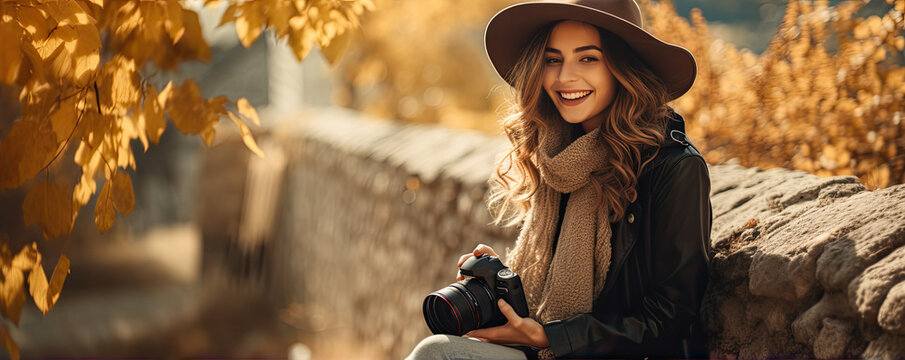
377 156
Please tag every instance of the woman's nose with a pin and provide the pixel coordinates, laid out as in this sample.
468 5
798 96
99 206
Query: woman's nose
567 73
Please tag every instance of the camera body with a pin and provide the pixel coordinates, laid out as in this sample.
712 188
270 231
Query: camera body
472 303
507 285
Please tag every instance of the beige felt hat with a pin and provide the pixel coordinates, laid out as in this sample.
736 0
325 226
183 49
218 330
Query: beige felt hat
510 30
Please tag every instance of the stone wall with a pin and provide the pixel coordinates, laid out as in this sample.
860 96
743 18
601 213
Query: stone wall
375 214
807 266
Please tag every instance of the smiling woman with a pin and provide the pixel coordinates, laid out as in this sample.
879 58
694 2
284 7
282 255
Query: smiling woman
612 198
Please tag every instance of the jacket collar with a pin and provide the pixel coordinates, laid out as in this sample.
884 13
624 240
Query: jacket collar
675 136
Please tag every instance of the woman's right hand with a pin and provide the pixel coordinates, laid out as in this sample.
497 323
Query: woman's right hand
479 250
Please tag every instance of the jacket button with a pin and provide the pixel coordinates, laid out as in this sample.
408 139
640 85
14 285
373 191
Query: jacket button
631 218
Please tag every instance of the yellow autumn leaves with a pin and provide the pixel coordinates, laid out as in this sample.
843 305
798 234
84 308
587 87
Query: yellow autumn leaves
45 205
81 69
59 35
12 289
303 23
827 96
52 52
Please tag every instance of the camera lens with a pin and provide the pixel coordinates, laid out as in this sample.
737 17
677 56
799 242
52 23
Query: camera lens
458 308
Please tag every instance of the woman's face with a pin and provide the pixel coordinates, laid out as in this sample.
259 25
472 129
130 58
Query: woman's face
576 75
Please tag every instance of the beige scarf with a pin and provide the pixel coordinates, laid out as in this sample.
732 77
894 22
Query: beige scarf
558 287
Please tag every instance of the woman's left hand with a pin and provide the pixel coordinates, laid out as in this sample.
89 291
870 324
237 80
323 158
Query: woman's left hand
516 331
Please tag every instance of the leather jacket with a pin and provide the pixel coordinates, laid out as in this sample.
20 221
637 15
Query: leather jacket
650 303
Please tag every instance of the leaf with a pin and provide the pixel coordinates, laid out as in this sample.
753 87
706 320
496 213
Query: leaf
152 112
123 193
49 206
72 51
12 292
30 49
278 14
46 294
247 137
63 119
69 13
97 2
11 346
185 107
27 257
248 111
337 46
164 94
300 5
301 42
125 90
192 45
90 160
10 55
27 148
34 21
61 58
248 25
51 44
297 22
207 134
141 127
229 15
103 210
173 23
215 106
118 85
86 56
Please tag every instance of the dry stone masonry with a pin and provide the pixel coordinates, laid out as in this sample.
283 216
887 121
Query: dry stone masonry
375 215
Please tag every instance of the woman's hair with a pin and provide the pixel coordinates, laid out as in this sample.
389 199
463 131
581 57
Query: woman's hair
634 118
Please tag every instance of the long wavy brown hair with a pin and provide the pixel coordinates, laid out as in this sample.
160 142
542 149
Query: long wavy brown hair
635 118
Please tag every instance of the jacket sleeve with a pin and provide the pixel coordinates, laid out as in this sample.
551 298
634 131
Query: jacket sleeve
678 266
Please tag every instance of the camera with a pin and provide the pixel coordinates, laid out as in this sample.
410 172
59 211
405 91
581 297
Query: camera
472 303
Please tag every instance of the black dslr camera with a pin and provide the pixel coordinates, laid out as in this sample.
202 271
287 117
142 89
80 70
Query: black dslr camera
472 303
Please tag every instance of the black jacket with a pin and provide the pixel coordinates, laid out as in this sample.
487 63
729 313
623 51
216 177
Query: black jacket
650 303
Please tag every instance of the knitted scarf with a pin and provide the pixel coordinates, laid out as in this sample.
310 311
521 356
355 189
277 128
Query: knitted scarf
558 287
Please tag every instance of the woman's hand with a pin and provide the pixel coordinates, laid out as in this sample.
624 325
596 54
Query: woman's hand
479 250
517 331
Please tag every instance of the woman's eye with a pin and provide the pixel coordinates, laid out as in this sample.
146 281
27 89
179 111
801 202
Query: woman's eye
588 59
551 60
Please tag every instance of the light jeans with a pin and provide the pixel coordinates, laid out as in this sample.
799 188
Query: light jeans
449 347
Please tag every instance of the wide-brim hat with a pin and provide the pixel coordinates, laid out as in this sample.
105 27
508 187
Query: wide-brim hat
510 30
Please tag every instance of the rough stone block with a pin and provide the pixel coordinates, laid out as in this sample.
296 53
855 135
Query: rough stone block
892 312
886 347
833 339
868 291
807 326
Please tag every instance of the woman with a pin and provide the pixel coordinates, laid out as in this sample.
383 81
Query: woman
614 250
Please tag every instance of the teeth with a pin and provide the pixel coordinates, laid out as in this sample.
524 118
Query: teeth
574 95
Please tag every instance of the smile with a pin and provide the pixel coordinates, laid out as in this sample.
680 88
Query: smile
573 98
574 95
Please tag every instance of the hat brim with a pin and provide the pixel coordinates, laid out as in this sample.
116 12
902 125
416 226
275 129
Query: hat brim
510 30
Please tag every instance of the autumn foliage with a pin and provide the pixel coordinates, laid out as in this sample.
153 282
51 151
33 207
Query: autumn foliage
827 96
82 71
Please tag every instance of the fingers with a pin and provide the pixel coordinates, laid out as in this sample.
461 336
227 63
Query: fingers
476 338
509 312
478 251
503 334
483 334
484 249
463 258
